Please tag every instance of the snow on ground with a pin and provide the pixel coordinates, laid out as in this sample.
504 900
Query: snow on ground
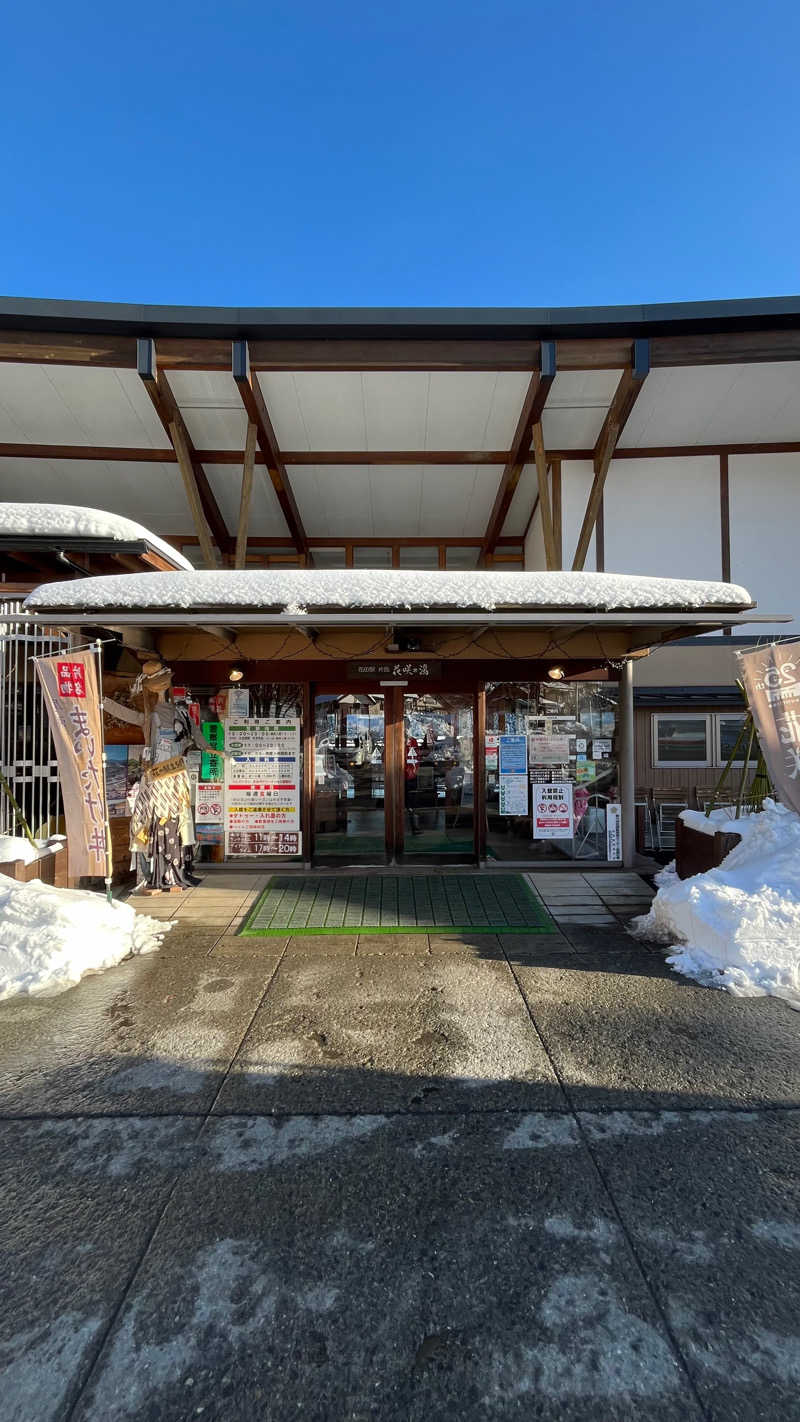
297 591
737 926
50 937
66 521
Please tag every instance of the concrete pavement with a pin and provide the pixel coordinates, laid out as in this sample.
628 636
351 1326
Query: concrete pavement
409 1177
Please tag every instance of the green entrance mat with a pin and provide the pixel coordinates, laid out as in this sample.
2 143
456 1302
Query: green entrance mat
394 903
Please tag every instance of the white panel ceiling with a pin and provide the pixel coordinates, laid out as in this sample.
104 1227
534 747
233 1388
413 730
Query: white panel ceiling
394 501
717 404
212 408
403 410
266 516
522 502
576 407
62 404
152 494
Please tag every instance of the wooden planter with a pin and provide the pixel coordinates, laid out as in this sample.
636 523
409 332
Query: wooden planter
43 868
696 852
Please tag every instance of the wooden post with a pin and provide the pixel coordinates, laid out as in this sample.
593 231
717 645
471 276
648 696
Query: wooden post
246 495
479 773
558 532
627 768
544 496
192 495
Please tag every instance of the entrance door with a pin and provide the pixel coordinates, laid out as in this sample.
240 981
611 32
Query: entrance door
438 782
349 772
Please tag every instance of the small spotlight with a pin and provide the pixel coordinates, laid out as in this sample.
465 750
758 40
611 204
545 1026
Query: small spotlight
556 673
236 674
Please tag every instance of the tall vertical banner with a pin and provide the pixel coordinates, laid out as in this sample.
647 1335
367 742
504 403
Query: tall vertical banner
771 677
69 687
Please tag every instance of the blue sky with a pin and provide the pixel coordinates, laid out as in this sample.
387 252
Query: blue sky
319 153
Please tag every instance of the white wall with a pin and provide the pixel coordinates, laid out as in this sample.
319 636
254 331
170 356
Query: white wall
765 519
662 517
576 481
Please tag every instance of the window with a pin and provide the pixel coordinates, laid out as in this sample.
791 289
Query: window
728 730
681 739
366 557
328 557
418 556
459 556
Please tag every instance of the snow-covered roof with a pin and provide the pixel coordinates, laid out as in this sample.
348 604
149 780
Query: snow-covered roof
300 591
56 521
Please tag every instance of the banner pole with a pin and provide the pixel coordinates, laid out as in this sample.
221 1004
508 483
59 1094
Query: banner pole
98 651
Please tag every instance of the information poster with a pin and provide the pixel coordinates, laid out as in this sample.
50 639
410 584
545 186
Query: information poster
552 811
492 744
601 748
614 831
513 794
549 749
209 804
262 786
513 755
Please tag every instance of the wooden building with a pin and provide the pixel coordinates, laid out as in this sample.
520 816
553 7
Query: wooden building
646 440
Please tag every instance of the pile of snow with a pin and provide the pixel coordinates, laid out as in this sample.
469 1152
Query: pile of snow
14 847
299 590
50 937
723 820
65 521
737 926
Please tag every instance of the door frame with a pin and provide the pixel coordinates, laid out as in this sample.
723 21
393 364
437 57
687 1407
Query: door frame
394 765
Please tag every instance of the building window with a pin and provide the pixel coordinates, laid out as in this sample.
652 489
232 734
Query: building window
460 556
417 556
681 739
728 729
367 557
329 557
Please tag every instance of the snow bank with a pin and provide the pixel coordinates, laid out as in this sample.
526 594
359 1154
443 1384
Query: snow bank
296 591
50 937
738 926
65 521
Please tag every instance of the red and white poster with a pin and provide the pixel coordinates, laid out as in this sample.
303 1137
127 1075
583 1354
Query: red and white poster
552 811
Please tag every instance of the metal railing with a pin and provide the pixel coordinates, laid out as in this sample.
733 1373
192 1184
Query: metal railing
27 754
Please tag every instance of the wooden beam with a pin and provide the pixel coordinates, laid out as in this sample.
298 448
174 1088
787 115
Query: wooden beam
166 407
544 496
530 416
246 494
621 406
255 405
558 534
192 494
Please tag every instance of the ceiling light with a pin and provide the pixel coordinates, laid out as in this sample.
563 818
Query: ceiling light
235 674
556 673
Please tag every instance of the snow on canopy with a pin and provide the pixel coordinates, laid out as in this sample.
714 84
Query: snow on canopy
66 521
296 591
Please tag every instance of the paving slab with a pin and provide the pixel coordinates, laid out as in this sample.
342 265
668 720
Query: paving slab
403 1033
155 1034
78 1203
712 1203
396 1268
471 945
388 945
645 1035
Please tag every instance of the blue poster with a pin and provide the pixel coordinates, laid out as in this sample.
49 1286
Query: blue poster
513 755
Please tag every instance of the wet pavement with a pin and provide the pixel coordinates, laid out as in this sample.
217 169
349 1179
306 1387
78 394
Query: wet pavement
403 1177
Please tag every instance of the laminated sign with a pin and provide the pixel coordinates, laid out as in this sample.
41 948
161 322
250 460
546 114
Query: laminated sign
771 677
552 811
69 686
262 791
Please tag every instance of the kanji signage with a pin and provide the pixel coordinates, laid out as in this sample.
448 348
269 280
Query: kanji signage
262 786
403 670
552 811
69 687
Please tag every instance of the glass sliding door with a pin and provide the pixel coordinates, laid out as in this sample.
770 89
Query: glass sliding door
349 775
437 774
